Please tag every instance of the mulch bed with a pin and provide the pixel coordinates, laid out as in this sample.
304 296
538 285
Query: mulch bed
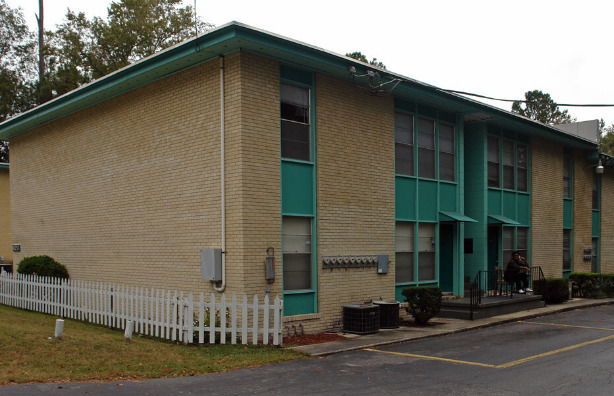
309 339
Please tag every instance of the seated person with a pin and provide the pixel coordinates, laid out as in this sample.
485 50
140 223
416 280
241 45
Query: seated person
515 272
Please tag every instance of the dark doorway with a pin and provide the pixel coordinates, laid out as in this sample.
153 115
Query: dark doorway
446 257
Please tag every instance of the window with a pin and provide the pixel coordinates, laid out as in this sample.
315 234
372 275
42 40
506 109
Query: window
493 162
446 152
508 243
566 250
404 144
296 263
426 251
404 258
508 164
426 148
595 191
594 250
567 177
295 125
522 174
522 241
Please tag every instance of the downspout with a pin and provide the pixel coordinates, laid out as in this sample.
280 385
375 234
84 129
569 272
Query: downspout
222 177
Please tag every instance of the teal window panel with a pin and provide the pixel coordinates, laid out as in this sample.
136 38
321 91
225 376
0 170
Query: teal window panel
427 200
405 198
567 213
448 197
509 204
289 73
524 209
297 188
596 224
494 202
299 303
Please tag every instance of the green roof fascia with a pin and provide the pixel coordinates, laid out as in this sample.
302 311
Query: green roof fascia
150 69
4 166
235 36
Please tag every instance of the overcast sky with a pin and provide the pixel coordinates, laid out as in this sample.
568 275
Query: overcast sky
495 48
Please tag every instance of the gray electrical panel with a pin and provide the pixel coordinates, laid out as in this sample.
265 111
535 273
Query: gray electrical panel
382 264
211 264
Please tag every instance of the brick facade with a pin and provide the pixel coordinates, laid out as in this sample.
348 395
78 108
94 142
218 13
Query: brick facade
5 217
547 206
606 235
582 210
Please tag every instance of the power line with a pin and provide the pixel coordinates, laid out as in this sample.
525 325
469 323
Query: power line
527 101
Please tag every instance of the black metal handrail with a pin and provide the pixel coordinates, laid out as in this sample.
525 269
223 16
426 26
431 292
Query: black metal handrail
485 284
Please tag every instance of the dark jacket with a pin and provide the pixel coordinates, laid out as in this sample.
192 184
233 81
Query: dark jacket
513 269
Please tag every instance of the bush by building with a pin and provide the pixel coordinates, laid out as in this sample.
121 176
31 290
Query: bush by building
553 290
42 266
424 302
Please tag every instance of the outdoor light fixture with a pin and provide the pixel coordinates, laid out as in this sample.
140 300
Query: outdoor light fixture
599 168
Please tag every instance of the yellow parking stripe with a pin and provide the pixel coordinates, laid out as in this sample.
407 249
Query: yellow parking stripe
499 366
541 355
564 325
431 358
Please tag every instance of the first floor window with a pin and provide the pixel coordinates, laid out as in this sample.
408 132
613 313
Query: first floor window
426 252
297 268
522 241
566 250
404 257
508 243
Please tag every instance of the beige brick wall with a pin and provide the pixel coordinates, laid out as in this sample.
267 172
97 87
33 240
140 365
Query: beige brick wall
582 210
547 206
5 217
607 222
127 190
355 192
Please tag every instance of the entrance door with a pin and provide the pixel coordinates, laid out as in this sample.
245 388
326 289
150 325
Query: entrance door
493 251
446 257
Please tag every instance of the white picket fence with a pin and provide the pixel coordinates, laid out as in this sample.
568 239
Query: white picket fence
154 312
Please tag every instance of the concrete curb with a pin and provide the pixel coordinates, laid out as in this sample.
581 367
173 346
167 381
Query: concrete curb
449 326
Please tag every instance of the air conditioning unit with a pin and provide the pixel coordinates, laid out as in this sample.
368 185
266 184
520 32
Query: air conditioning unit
361 318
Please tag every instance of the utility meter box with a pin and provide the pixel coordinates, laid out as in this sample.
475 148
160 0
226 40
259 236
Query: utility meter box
211 264
269 264
382 264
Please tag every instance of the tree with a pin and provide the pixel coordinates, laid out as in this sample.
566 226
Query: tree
4 152
539 106
84 49
16 67
606 140
359 56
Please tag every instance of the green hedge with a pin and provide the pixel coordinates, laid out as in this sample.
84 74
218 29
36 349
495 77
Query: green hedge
42 266
592 285
553 290
424 302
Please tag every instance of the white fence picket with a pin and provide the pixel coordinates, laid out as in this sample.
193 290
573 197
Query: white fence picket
155 312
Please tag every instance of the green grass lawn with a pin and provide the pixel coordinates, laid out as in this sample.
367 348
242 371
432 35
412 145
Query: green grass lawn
86 352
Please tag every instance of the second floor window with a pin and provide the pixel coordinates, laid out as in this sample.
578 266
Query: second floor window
426 148
404 144
567 171
446 152
295 123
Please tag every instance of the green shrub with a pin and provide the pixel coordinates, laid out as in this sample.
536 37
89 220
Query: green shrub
553 290
606 284
587 284
424 302
42 266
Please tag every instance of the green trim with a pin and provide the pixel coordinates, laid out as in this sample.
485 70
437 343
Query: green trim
498 219
455 216
234 37
4 166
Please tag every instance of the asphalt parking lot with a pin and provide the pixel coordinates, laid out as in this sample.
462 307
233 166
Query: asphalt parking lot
570 353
